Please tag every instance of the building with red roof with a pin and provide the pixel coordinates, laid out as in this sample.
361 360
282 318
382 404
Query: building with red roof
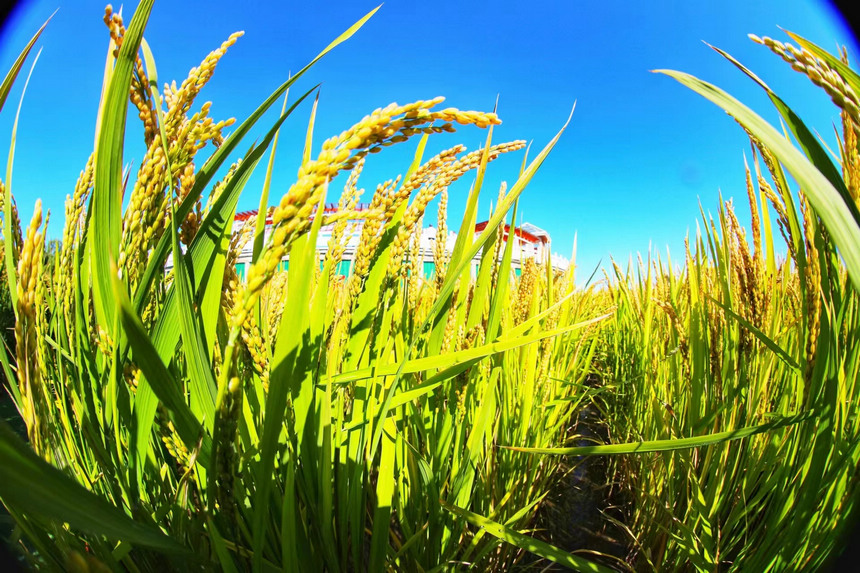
530 242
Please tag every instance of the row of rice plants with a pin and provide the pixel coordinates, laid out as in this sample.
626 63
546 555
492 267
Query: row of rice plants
741 335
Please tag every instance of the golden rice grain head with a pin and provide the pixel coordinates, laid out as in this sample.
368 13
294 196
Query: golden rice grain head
754 213
182 99
427 170
442 178
812 280
449 336
292 216
440 255
256 347
29 306
819 72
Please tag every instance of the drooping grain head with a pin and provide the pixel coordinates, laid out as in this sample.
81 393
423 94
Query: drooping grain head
441 179
819 72
72 230
17 239
745 269
850 152
347 202
371 234
415 268
756 221
440 254
257 351
29 305
382 128
812 280
148 213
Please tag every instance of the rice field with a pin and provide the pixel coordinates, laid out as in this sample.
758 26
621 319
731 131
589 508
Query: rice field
179 415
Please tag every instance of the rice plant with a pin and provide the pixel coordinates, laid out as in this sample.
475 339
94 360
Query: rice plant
180 412
741 335
178 415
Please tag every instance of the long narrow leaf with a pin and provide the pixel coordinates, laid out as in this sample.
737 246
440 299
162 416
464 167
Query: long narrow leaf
106 200
826 200
33 486
669 444
530 544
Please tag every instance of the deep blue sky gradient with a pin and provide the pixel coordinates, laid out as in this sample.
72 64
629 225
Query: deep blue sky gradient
639 155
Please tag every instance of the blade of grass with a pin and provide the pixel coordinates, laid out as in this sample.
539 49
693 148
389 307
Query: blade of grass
826 200
669 444
13 72
106 199
34 486
469 355
263 208
525 542
160 380
194 345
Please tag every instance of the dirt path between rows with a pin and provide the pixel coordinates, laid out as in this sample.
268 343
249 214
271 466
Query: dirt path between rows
578 514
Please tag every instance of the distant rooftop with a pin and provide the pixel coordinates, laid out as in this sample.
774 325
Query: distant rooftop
535 230
528 232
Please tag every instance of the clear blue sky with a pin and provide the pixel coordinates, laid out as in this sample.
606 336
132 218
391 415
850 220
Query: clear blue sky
639 155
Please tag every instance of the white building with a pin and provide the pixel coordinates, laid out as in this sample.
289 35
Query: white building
530 242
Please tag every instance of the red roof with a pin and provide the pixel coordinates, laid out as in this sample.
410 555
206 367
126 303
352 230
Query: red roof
245 215
525 235
329 208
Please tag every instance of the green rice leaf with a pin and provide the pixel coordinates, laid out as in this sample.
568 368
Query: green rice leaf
5 87
500 289
525 542
808 142
385 485
670 444
263 208
164 386
825 199
290 365
31 485
106 200
224 558
9 255
194 346
13 72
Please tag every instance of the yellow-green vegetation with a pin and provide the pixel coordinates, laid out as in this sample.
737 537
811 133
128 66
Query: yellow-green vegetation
742 336
179 416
